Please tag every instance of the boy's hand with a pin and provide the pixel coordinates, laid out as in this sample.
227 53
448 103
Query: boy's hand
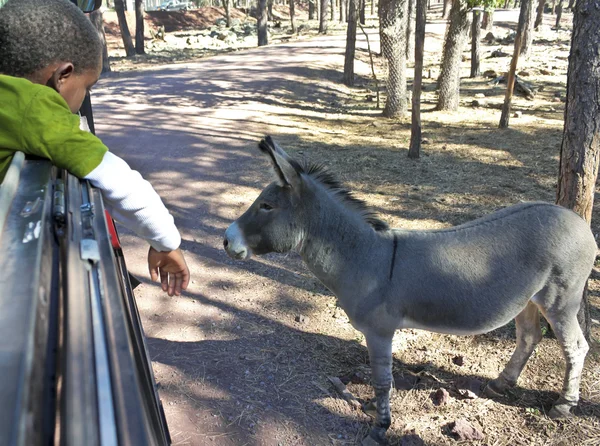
173 271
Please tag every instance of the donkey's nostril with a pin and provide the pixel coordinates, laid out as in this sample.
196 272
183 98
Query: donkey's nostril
225 243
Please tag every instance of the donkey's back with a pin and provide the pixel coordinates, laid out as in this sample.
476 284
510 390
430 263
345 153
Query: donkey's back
478 276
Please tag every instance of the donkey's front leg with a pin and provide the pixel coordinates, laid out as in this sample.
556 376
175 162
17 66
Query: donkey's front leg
380 354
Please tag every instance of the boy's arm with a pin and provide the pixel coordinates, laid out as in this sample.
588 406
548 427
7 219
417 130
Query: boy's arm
133 202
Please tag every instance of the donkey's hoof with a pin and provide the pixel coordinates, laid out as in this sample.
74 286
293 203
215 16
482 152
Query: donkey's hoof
560 411
376 437
496 388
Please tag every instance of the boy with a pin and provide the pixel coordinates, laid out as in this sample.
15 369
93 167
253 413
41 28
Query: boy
50 56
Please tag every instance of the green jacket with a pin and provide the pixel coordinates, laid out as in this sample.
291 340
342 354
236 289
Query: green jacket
36 120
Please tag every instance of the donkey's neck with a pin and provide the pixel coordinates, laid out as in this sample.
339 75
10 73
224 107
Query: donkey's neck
339 246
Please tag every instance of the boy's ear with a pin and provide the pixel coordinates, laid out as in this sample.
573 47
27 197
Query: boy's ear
60 74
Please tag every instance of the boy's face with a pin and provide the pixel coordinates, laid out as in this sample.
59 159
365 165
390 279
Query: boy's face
71 85
74 87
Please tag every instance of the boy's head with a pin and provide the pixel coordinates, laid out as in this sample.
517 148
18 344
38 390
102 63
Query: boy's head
50 42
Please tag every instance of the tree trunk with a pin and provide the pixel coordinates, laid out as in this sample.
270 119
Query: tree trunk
362 13
227 8
125 34
293 16
323 17
415 130
510 82
311 9
559 10
263 37
139 27
528 32
580 149
343 13
506 4
350 43
331 10
540 14
475 44
392 34
410 31
456 37
488 20
269 10
98 22
447 8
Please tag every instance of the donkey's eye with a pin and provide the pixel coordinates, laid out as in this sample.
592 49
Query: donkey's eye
266 206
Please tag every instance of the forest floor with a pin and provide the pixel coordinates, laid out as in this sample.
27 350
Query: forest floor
243 357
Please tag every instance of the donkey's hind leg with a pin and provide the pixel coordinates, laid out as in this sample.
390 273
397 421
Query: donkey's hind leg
529 335
574 346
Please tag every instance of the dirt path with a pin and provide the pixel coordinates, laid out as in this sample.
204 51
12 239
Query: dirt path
243 357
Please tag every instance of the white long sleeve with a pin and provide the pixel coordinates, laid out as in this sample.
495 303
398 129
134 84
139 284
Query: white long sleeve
133 202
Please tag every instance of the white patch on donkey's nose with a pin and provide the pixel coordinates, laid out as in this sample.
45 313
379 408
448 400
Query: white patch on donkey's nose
235 243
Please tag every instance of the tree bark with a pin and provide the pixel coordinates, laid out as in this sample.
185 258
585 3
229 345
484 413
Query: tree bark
227 8
350 43
540 14
528 32
510 82
488 20
415 130
362 13
456 37
559 10
98 21
447 8
125 34
410 30
293 16
476 44
263 37
269 10
331 10
139 27
311 9
580 148
343 18
323 17
392 33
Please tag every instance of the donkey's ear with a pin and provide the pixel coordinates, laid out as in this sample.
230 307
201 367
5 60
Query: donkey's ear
287 170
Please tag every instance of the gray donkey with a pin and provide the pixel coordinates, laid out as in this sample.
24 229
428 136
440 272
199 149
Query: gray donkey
469 279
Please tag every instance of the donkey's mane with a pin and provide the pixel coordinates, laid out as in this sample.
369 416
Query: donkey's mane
321 174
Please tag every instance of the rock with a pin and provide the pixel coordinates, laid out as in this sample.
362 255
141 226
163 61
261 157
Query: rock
478 103
222 35
517 114
545 72
425 141
406 381
221 22
499 53
490 37
490 73
440 397
302 319
556 99
411 440
464 431
468 387
479 95
458 360
524 73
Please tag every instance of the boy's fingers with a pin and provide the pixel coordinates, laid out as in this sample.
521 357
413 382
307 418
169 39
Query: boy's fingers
153 273
185 279
178 280
171 284
164 279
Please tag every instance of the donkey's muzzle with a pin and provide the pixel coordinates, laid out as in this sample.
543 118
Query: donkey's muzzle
235 243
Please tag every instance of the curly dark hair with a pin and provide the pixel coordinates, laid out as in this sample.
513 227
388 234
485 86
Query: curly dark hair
37 33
